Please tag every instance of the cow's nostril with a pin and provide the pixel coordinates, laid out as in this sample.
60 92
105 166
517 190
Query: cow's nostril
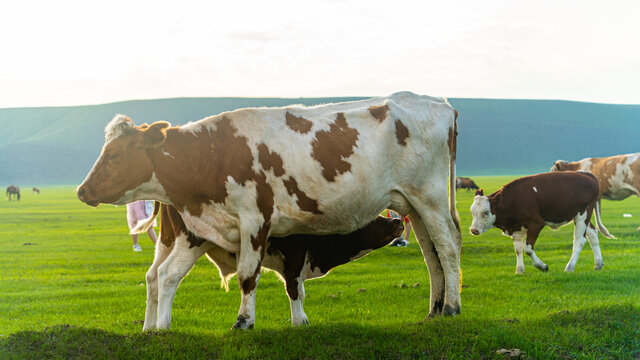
81 193
475 231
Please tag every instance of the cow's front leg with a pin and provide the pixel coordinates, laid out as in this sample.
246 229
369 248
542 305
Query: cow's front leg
171 273
532 235
252 248
518 246
151 313
579 232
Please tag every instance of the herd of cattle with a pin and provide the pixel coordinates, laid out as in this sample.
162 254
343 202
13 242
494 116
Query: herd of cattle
299 189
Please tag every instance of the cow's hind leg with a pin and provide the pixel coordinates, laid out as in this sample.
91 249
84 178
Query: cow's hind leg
295 290
439 239
532 235
170 274
579 239
151 313
436 274
592 236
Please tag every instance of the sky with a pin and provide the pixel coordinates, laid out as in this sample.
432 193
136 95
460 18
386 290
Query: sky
59 53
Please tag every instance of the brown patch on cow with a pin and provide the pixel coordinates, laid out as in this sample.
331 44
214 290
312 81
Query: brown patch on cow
270 160
297 123
172 225
331 148
304 202
230 156
379 112
249 283
402 133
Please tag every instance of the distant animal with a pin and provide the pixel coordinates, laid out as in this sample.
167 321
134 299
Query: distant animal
526 205
13 191
35 190
619 176
296 258
242 176
466 183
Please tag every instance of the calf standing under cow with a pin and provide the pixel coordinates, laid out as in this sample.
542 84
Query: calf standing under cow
295 258
618 176
526 205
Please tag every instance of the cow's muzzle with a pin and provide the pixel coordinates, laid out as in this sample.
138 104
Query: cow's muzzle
85 198
474 231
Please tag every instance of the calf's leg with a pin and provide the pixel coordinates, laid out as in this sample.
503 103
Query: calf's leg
532 235
592 236
518 246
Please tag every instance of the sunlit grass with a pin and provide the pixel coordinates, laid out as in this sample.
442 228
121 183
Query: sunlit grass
70 286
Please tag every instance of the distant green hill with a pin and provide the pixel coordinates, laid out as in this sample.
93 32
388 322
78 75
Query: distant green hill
58 145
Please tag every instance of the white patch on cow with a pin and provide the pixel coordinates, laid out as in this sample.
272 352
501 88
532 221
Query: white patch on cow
621 183
119 125
151 189
631 158
166 153
534 189
312 272
592 236
151 312
298 317
585 165
483 219
248 306
201 226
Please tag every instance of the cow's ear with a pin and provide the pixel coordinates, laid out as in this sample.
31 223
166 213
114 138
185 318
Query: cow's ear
155 134
480 192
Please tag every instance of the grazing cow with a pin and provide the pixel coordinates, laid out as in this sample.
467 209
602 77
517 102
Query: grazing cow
35 190
295 258
466 183
13 191
526 205
619 176
241 176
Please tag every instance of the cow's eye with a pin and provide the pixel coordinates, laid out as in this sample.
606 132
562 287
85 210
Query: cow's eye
112 156
486 213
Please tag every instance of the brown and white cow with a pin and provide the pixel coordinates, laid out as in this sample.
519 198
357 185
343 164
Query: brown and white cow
466 183
526 205
241 176
619 176
295 258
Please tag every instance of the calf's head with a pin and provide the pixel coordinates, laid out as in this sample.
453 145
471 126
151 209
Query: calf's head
483 218
124 164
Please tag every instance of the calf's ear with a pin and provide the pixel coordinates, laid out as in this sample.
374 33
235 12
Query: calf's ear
155 134
480 192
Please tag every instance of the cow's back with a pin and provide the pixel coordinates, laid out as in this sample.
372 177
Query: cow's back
555 196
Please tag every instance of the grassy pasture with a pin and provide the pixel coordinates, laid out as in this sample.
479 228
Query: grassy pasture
71 287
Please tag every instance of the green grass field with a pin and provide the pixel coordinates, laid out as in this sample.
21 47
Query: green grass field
71 287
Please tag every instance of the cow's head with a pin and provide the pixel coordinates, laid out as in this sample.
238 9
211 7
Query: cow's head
123 165
483 218
559 165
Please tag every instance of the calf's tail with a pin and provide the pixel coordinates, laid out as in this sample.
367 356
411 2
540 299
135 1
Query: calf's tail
601 227
144 224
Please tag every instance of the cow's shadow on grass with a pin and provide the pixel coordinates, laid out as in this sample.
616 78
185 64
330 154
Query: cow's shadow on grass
604 332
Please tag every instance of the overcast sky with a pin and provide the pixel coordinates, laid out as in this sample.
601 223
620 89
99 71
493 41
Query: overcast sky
84 52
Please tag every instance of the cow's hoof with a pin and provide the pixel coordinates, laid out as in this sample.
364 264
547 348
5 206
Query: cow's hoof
544 268
304 322
568 269
449 310
519 270
599 266
242 324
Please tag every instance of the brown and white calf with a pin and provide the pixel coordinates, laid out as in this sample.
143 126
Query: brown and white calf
240 177
295 258
466 183
526 205
619 176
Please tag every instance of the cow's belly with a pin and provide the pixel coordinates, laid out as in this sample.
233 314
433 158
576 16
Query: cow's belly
215 226
618 194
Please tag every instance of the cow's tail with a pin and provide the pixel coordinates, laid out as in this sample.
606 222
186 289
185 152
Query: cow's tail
453 144
144 224
601 227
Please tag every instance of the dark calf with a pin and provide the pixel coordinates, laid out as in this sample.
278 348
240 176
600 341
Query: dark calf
295 258
525 206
